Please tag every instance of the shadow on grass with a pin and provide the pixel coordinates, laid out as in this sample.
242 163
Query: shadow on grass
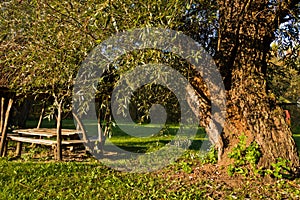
150 146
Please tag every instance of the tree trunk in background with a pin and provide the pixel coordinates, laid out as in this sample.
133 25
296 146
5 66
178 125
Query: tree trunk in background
41 117
23 113
2 113
58 133
246 31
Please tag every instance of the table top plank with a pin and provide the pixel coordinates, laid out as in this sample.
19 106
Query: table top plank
47 132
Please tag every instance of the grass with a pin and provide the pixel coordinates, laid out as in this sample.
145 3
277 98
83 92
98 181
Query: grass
73 180
90 179
82 181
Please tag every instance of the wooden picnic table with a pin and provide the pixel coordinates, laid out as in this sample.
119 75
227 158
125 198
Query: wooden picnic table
69 137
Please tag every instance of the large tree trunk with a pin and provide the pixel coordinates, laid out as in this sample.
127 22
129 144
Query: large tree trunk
246 31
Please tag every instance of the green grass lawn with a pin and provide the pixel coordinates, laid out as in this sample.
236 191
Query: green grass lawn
28 178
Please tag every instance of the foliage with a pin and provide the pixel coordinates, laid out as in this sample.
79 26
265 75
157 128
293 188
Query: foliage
284 65
280 169
244 156
44 43
185 166
211 156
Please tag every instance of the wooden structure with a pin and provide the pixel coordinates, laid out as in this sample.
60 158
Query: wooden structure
49 137
6 102
56 137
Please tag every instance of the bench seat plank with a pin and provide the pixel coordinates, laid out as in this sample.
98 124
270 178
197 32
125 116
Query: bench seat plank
33 140
46 141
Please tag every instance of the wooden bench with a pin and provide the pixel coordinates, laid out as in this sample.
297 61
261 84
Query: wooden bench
47 137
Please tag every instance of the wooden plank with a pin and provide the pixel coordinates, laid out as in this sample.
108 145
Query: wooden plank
47 132
10 134
2 114
45 141
34 133
70 142
32 140
4 131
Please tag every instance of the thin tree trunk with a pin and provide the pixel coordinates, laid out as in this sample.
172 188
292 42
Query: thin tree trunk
23 112
58 131
2 114
4 129
100 134
41 117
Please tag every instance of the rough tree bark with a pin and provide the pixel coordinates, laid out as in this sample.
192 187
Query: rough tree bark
246 31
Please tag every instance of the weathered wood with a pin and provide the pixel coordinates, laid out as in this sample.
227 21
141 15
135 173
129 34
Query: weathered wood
74 142
33 140
47 132
5 148
80 127
2 113
18 149
41 117
59 137
26 135
45 141
4 131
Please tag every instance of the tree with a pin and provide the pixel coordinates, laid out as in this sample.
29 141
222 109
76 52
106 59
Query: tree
246 32
40 52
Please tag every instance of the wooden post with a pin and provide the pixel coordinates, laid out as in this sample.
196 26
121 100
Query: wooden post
80 127
4 131
1 113
18 149
100 135
41 117
58 133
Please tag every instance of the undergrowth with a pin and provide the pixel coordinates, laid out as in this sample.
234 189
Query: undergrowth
246 159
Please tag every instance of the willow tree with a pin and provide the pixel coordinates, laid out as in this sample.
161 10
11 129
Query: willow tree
245 35
40 50
43 43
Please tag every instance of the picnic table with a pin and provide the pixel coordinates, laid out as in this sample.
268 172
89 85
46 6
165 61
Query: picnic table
47 136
